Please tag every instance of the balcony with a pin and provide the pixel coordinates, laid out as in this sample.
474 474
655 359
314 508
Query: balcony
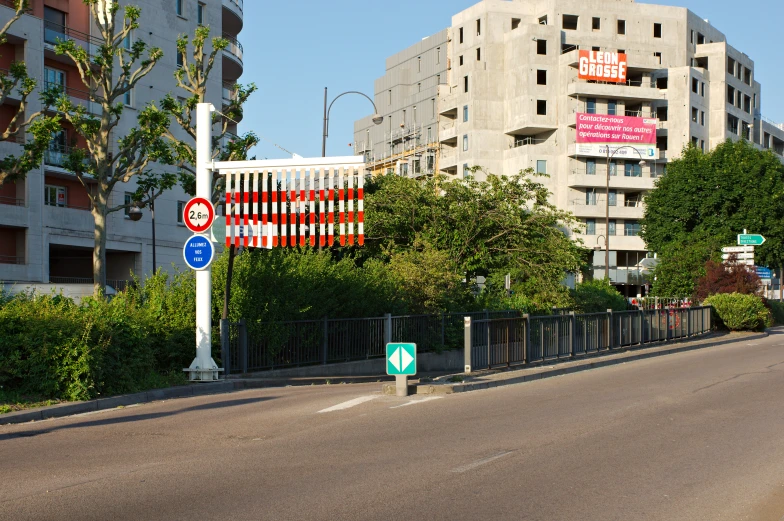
232 16
80 98
55 33
448 161
447 101
14 212
632 90
597 211
56 156
232 59
617 242
69 218
581 179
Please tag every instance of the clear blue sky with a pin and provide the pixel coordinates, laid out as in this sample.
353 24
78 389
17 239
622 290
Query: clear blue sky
293 49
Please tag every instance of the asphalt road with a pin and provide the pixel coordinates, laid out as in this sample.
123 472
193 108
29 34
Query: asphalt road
691 436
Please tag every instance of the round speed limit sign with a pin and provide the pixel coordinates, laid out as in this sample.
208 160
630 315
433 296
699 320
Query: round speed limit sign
198 215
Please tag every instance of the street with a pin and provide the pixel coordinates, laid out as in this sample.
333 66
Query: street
691 436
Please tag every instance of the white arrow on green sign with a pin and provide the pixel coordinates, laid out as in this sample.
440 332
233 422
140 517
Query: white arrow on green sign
750 239
401 359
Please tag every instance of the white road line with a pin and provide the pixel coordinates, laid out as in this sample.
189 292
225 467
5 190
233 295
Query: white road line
348 404
413 402
479 463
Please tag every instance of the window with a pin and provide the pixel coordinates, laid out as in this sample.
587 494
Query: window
730 95
612 198
417 166
180 210
465 142
631 229
621 26
590 167
657 30
128 98
596 23
53 78
515 23
478 27
128 199
632 170
613 168
465 113
438 55
200 10
541 166
433 107
590 227
478 54
438 79
700 38
55 195
419 87
465 83
429 134
694 114
54 25
702 145
596 48
415 115
460 60
658 56
419 64
180 59
702 118
541 77
127 42
541 47
570 22
730 66
590 105
466 172
702 89
691 38
460 32
612 107
590 197
404 169
178 5
543 20
611 228
390 97
431 161
695 86
541 107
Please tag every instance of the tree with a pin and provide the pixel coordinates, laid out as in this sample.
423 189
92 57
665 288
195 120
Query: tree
705 200
489 228
113 71
193 77
727 277
39 125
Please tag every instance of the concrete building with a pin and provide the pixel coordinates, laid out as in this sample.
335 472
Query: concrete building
46 228
508 95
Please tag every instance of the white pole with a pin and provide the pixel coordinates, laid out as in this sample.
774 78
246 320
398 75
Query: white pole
203 366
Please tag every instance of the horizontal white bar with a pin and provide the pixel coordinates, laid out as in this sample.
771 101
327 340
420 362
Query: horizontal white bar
738 249
294 163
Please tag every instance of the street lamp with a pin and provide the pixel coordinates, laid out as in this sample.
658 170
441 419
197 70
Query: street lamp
135 214
377 118
607 207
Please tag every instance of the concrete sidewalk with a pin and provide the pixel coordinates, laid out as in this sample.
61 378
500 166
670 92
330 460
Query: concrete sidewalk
486 379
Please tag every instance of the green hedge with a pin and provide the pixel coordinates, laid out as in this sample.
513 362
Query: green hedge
777 311
739 312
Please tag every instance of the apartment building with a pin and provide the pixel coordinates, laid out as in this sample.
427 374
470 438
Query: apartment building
46 228
512 93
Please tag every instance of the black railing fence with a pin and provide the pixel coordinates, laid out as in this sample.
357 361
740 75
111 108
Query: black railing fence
493 343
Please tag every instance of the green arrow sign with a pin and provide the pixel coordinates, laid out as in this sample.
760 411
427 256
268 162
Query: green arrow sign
401 359
750 239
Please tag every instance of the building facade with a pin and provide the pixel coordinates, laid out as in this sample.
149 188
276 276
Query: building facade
46 228
510 97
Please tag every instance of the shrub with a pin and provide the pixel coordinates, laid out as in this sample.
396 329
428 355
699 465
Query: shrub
727 277
597 296
777 312
738 312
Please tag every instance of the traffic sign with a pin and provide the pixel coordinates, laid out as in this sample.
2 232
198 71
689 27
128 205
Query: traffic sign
198 215
764 273
738 249
198 252
401 359
750 239
738 256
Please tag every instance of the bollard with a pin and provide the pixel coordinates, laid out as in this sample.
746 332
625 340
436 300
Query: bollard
467 344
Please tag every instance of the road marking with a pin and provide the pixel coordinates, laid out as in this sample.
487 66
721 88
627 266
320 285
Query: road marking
349 404
479 463
413 402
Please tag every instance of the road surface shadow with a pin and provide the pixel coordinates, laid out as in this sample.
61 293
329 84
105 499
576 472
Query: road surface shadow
44 429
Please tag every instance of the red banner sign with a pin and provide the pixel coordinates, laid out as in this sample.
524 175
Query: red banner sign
602 66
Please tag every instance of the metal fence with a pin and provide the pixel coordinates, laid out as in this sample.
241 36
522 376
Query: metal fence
504 342
264 346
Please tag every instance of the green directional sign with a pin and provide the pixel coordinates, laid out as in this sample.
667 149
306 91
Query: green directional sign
401 359
750 239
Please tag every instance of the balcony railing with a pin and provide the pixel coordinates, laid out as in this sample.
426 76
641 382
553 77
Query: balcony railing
229 91
11 259
528 141
78 97
236 3
234 47
12 201
56 33
57 154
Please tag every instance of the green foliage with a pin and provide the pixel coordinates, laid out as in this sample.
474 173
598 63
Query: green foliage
739 312
597 296
704 201
777 312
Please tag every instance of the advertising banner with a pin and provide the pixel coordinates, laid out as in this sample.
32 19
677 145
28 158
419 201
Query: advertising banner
597 132
602 66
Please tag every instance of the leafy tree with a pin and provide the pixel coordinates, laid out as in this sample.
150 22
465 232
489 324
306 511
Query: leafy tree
597 296
112 72
490 228
704 201
38 124
727 277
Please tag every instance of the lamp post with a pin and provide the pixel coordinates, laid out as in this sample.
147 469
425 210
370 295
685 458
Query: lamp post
607 207
377 118
135 213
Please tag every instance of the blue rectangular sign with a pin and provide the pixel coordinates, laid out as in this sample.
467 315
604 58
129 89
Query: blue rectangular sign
764 273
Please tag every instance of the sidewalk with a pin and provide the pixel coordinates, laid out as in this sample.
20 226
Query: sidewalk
425 383
486 379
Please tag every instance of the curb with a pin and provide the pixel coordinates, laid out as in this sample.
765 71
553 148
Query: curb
556 371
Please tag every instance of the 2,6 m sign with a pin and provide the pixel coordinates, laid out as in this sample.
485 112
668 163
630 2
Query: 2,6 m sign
198 252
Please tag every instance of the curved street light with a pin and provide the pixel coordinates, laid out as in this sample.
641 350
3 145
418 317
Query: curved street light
607 207
377 118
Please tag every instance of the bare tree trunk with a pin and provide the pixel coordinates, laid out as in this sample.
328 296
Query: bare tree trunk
227 291
99 250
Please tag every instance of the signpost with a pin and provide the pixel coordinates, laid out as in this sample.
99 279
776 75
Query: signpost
750 239
198 215
401 363
764 273
198 252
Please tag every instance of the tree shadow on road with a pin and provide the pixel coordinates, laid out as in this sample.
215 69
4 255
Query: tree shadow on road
45 429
